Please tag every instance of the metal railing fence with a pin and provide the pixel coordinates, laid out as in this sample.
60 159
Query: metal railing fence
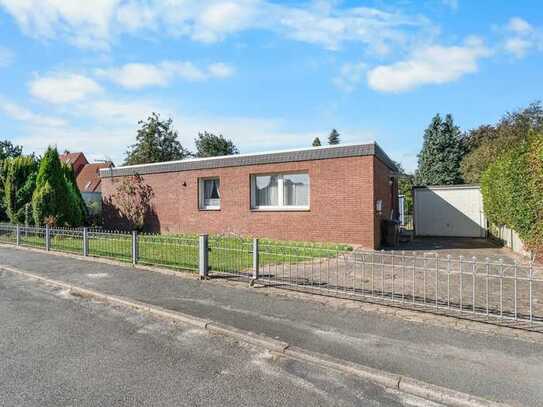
32 236
230 255
472 287
170 251
492 289
66 240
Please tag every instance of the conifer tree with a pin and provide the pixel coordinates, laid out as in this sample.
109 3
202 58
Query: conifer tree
441 154
333 138
19 184
51 200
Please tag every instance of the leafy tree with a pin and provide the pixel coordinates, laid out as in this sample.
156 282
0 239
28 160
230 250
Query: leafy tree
441 154
156 141
487 142
333 137
8 150
316 142
210 145
20 182
51 200
79 208
133 199
405 187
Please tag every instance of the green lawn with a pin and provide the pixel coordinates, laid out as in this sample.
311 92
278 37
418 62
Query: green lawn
227 254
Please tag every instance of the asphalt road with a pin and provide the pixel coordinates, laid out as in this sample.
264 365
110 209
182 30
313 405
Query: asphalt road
490 366
61 350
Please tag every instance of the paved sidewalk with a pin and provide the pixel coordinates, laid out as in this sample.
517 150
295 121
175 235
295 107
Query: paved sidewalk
498 368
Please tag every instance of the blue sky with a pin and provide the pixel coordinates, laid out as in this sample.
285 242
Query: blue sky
267 74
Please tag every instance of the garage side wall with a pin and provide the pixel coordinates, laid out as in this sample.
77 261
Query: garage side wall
386 191
341 203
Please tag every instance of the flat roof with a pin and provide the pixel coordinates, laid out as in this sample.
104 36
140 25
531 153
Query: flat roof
238 160
453 186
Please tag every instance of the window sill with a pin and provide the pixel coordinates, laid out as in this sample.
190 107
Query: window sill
209 209
283 209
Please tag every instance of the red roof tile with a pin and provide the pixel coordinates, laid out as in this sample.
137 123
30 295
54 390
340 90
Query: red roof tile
88 179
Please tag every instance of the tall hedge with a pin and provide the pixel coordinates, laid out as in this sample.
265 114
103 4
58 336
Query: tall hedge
512 189
19 185
52 201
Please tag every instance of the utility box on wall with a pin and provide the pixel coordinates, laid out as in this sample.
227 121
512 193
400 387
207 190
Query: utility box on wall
449 211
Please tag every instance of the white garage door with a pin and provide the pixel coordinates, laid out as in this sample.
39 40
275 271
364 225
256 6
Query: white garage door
455 211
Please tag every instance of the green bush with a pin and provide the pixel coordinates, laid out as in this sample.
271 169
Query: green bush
43 205
512 189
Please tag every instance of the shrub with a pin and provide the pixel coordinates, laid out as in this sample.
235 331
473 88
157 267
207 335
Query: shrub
512 189
19 185
43 204
133 200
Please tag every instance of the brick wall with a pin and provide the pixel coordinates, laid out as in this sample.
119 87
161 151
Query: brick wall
341 202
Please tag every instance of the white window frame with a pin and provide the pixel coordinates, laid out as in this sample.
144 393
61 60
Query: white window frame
201 204
280 194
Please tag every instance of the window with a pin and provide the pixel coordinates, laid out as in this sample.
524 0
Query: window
280 191
210 195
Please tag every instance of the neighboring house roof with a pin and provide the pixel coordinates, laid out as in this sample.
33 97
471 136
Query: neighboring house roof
76 160
72 158
314 153
88 179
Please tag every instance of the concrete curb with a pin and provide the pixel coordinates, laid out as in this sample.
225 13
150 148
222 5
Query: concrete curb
408 385
442 395
249 337
378 376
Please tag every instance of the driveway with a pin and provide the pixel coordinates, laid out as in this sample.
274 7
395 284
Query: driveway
456 247
473 276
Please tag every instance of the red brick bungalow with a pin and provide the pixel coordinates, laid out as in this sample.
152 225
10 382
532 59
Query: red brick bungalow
328 194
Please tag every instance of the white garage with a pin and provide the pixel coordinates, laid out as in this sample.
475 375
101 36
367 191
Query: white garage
449 211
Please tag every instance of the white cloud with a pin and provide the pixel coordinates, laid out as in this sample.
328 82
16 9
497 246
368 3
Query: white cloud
517 46
86 23
434 64
59 88
521 37
350 76
220 70
519 25
218 19
184 70
136 76
378 30
97 23
6 57
21 114
106 127
452 4
140 75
